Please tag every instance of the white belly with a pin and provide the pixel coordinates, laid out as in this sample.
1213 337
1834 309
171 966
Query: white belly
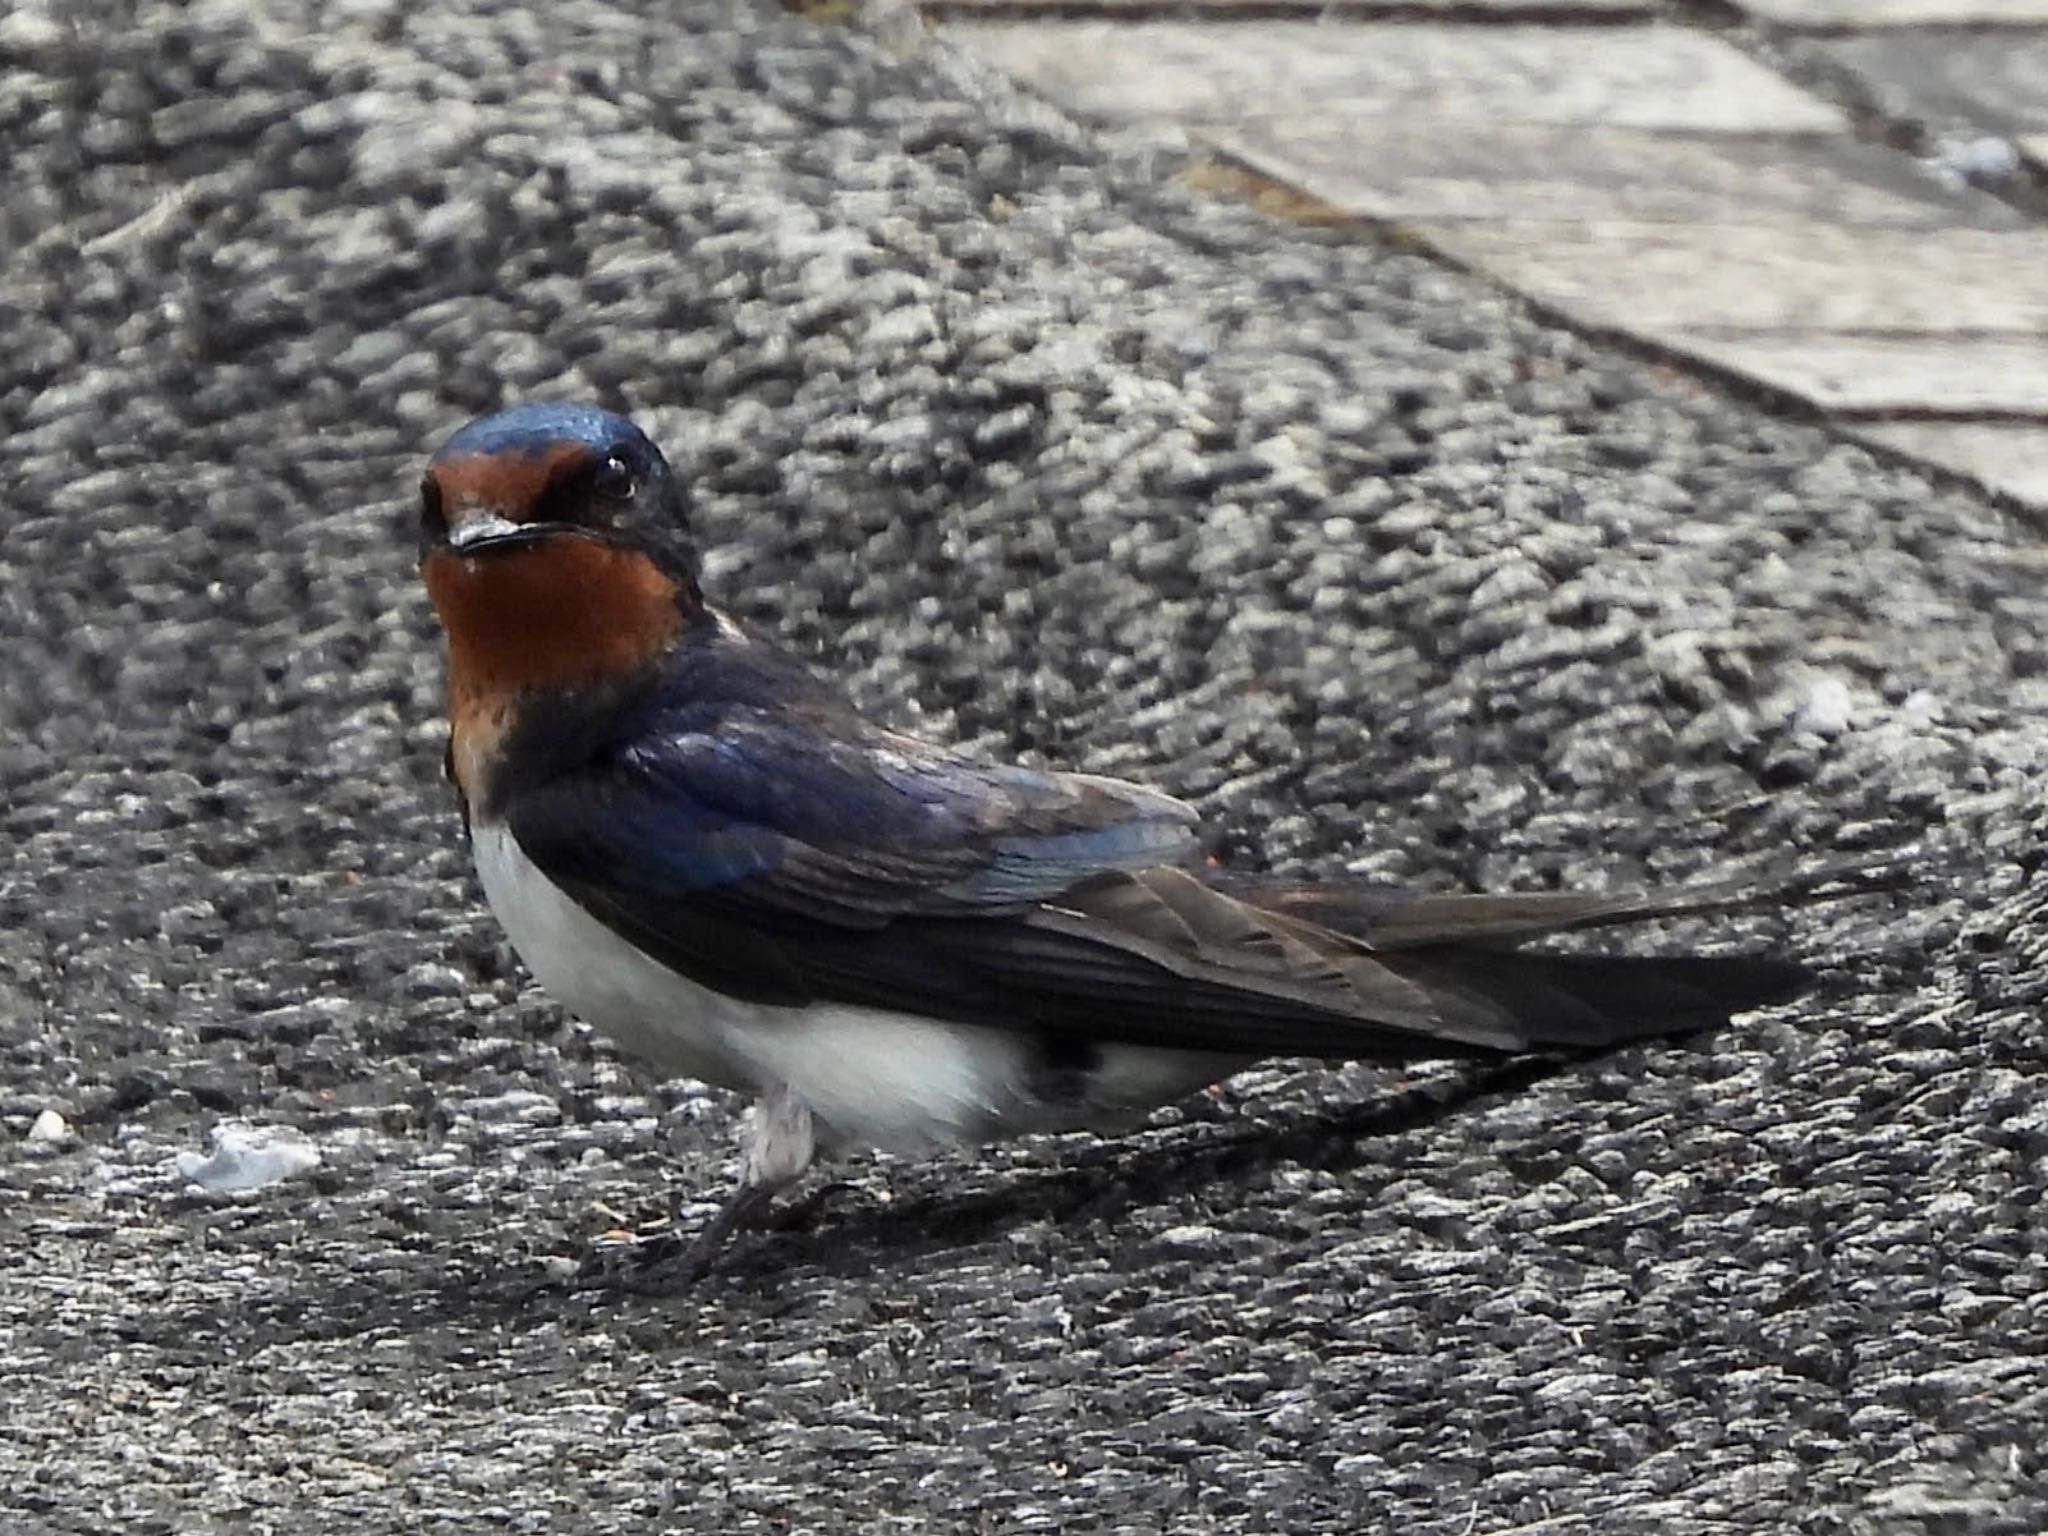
870 1076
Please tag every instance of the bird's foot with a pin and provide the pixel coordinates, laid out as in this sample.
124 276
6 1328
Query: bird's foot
777 1144
669 1258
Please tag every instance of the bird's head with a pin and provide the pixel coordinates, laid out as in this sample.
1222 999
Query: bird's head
537 474
555 543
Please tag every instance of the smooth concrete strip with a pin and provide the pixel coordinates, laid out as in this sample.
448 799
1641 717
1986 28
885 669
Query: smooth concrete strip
1660 77
1898 13
1994 81
1387 168
1882 375
2011 460
1460 10
1654 278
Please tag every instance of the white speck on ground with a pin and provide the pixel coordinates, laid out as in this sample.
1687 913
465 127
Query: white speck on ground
1826 708
245 1156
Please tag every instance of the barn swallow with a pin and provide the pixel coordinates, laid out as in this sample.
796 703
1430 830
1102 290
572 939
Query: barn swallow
698 845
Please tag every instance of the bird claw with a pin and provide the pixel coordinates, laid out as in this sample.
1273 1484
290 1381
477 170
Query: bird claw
647 1262
669 1259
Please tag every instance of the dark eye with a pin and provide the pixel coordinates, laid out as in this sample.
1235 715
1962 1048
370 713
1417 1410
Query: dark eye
613 480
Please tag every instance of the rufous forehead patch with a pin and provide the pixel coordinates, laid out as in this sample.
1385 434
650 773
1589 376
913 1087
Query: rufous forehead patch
508 485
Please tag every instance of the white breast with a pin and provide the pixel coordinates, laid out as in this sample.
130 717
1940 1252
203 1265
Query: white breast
872 1077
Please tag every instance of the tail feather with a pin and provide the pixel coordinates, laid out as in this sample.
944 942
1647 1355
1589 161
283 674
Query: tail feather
1343 971
1388 917
1460 950
1603 1000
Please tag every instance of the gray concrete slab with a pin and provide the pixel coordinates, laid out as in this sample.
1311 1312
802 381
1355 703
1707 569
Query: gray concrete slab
1994 81
2009 458
1550 11
1521 151
1824 277
1876 14
1874 375
1658 77
1388 168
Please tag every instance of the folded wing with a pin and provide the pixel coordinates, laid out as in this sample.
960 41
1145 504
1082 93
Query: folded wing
824 861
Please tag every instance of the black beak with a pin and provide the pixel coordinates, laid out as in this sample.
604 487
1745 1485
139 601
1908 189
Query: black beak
489 533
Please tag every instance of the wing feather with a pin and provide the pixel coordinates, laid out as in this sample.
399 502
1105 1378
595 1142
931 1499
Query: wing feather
793 856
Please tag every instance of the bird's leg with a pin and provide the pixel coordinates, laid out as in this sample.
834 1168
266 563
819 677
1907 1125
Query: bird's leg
777 1145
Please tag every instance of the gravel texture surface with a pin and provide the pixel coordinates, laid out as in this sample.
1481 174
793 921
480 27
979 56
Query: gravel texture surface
1049 457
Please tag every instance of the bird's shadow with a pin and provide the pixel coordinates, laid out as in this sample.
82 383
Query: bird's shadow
440 1298
1100 1182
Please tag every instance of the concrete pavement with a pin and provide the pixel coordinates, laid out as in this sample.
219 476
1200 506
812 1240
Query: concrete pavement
1046 454
1835 203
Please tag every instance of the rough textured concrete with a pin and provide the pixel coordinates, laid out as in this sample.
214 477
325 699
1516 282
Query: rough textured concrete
1045 457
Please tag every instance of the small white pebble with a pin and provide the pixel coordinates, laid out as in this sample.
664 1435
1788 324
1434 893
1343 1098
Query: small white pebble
50 1128
1921 706
1825 710
249 1157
